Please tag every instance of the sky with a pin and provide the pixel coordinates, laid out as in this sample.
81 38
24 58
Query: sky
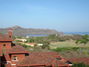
62 15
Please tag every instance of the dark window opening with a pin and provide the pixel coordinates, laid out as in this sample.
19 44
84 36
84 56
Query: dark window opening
4 44
68 62
10 36
14 58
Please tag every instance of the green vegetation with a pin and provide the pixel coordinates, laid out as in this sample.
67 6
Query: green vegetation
30 40
66 49
80 65
84 40
50 38
17 40
45 44
18 37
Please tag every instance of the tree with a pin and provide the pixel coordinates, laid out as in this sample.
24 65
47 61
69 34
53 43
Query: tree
84 40
45 45
80 65
31 40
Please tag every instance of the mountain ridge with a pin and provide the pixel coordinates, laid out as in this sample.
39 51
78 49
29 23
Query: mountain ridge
20 31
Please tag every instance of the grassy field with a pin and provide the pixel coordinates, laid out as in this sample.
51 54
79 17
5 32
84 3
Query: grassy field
70 43
69 49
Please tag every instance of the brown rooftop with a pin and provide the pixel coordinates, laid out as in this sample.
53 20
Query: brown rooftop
17 49
84 60
42 58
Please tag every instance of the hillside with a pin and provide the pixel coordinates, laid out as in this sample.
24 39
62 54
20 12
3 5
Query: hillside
20 31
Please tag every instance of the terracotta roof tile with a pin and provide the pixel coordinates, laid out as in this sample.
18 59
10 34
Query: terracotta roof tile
84 60
17 49
42 58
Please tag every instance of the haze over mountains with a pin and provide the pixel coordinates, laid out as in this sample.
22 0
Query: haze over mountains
20 31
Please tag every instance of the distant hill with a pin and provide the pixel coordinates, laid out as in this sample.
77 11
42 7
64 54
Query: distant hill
20 31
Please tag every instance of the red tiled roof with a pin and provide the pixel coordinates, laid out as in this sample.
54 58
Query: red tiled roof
17 49
42 58
84 60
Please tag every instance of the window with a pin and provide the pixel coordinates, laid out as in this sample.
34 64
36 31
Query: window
4 44
10 36
68 62
14 58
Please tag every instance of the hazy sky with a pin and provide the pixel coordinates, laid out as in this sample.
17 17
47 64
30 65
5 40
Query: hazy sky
62 15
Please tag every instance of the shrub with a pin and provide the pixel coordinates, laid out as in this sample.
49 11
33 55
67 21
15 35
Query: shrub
80 65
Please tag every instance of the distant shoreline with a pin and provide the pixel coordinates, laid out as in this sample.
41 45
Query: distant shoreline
79 33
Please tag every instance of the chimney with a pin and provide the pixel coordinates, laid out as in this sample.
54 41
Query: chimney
10 32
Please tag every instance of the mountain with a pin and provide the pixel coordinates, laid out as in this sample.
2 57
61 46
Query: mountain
20 31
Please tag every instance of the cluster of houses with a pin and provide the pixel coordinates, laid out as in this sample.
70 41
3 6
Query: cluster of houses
12 55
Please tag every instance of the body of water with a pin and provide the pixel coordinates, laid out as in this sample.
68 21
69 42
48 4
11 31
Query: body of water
37 35
80 33
66 33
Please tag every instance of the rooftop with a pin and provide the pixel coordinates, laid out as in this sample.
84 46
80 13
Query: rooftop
42 58
84 60
17 49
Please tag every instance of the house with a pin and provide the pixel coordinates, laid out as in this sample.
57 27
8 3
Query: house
40 44
21 40
31 44
12 55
